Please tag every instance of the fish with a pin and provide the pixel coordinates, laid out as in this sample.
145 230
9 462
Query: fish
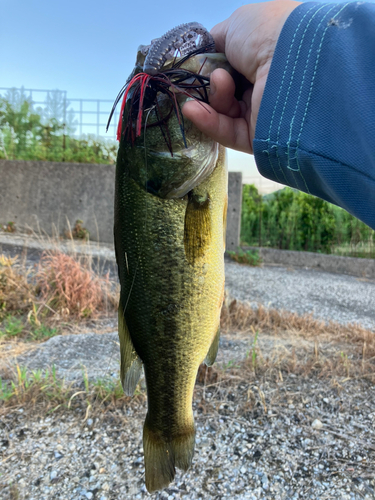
169 231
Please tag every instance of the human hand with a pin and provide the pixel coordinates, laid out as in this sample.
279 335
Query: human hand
248 38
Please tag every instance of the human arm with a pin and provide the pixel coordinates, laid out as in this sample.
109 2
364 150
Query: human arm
316 125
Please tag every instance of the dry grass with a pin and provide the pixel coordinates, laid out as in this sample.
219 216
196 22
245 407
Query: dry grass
286 342
241 317
16 293
280 342
70 288
35 302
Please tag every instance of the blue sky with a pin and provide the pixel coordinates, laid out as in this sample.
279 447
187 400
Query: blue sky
88 48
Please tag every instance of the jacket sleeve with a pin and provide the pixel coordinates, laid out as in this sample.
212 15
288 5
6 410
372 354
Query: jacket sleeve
316 124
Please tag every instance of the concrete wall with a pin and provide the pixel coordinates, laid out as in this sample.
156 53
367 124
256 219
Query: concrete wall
331 263
46 194
49 193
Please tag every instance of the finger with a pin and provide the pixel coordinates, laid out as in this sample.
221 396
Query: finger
222 89
230 132
219 33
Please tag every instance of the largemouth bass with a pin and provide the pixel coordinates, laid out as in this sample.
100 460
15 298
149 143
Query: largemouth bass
170 218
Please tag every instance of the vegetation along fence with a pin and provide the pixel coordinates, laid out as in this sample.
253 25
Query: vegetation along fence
291 220
45 125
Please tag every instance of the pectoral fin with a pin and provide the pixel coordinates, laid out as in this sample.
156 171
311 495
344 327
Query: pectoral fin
212 352
197 231
131 365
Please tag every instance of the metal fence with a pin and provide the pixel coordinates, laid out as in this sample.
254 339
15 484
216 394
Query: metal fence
79 116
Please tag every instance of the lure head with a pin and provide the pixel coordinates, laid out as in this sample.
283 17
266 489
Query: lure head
182 40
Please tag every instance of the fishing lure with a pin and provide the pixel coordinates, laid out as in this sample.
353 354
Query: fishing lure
187 40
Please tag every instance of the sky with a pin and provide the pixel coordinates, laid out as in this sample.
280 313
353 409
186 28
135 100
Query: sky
88 48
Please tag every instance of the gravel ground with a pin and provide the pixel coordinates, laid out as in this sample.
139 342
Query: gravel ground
305 439
290 437
284 437
337 297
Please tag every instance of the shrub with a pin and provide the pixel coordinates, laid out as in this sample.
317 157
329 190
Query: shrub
69 288
292 220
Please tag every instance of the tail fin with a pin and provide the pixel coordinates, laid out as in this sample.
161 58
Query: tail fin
162 456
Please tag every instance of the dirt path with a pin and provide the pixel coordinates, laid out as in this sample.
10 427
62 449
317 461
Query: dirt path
336 297
329 296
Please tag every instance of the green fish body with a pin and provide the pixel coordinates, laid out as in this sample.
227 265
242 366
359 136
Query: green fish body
170 218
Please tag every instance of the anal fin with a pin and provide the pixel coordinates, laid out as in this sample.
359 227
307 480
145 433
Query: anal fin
212 352
131 365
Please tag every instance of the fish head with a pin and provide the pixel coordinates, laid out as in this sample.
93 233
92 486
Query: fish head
171 156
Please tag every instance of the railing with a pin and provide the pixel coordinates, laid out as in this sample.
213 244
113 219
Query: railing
80 116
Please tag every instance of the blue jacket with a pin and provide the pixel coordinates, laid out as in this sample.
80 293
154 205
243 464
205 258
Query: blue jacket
316 124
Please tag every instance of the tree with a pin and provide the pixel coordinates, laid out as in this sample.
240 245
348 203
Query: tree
26 135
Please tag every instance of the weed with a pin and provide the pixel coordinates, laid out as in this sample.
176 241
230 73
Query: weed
85 378
16 293
106 389
249 257
230 364
5 391
11 327
254 349
9 227
78 232
43 332
34 387
345 362
44 388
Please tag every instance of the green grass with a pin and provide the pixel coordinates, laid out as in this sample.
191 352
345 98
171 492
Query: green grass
44 388
11 327
249 257
253 354
43 332
27 330
6 391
